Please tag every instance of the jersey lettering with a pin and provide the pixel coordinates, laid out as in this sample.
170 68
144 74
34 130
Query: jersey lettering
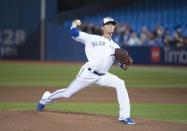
98 43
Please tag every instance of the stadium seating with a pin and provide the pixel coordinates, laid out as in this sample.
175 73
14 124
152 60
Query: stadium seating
167 13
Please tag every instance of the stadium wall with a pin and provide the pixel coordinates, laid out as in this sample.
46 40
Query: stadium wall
20 27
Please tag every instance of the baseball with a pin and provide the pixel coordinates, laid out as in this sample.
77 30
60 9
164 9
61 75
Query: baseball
78 22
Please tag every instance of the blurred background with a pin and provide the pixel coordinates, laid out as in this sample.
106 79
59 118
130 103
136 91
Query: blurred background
154 32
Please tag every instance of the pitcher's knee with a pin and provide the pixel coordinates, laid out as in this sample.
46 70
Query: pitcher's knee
120 82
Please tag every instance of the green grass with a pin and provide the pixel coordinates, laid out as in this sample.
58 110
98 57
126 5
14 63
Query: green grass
152 76
164 112
57 75
36 75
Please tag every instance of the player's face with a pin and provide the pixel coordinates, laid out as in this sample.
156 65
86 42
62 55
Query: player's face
108 28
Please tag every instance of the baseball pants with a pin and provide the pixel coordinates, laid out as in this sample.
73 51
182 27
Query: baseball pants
86 77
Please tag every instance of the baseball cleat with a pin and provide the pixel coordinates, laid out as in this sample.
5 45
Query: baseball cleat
43 101
128 121
40 107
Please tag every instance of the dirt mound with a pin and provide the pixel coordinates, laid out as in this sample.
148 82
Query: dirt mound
26 120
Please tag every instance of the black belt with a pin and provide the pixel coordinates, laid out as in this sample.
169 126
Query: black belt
97 73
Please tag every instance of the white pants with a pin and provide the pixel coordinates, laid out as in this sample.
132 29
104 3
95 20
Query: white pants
86 78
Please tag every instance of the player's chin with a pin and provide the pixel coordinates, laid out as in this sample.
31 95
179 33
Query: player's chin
111 31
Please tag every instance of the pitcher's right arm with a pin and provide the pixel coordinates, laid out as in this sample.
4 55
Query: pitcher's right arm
77 34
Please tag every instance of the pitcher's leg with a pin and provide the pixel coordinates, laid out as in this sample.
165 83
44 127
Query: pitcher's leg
110 80
74 87
83 79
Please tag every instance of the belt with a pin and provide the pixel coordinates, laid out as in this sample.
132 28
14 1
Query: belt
97 73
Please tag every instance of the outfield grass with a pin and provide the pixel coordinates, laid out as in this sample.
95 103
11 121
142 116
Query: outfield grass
164 112
54 75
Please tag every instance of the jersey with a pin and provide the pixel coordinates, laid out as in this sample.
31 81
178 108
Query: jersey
99 51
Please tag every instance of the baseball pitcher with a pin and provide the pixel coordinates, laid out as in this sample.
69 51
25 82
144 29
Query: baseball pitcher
101 52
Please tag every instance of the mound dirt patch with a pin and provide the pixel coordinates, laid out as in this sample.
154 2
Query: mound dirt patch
25 120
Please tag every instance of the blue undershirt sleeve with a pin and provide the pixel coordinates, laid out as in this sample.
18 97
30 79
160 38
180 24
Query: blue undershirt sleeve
74 32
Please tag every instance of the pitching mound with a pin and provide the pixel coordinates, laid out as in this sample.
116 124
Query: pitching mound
24 120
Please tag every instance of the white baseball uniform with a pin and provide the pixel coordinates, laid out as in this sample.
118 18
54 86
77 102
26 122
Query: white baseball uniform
99 51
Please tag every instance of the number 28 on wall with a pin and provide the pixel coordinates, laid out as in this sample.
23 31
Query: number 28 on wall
12 37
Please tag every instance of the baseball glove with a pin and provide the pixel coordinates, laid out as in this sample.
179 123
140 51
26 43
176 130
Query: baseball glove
122 56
